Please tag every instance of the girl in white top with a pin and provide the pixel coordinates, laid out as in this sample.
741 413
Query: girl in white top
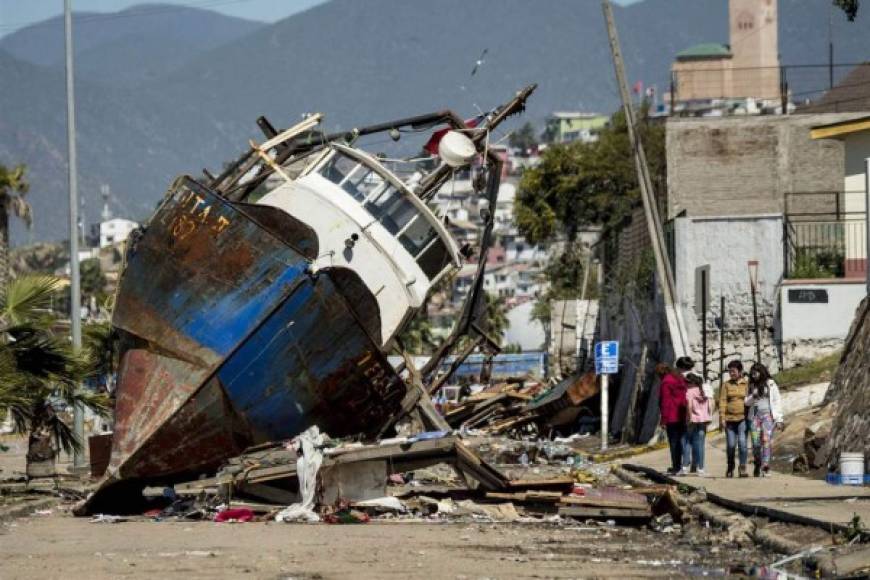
764 415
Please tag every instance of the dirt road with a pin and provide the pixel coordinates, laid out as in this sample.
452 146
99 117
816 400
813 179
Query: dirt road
60 546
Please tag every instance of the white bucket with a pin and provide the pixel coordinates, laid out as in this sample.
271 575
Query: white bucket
852 468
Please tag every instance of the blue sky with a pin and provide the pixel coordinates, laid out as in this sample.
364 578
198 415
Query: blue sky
17 13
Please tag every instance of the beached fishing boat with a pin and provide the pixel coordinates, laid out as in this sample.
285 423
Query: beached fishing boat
261 301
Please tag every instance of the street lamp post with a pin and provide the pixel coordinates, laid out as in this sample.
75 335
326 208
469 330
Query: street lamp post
75 291
753 283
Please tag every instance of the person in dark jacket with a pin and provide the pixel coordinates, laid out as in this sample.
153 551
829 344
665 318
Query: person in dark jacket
672 404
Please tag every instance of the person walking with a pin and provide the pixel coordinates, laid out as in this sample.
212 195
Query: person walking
698 415
672 405
732 416
765 416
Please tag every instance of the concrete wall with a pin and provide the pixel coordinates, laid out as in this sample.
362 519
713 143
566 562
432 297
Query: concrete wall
727 244
810 329
746 165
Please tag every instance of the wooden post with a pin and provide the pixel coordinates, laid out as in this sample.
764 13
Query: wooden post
676 327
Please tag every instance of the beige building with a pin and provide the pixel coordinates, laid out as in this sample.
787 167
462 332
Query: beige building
855 136
755 165
747 68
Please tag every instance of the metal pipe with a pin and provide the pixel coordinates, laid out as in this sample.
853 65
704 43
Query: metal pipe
605 378
704 323
755 324
75 290
783 90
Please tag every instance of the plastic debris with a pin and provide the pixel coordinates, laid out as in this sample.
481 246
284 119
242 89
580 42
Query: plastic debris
107 519
307 466
236 515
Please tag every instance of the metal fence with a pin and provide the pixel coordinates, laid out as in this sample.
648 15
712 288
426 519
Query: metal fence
825 248
788 84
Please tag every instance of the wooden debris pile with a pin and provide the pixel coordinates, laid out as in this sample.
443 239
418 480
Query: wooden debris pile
506 407
358 482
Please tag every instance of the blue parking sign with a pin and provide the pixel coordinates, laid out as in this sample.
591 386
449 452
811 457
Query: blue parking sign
607 357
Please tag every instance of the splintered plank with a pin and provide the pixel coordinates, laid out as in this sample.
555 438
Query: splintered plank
605 512
470 463
527 496
609 497
562 483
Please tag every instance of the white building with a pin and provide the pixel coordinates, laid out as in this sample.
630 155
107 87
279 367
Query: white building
116 230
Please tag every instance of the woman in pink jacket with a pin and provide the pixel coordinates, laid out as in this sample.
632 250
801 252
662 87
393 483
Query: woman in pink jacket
698 416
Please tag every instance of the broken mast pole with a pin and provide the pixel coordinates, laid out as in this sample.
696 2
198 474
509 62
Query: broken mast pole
653 220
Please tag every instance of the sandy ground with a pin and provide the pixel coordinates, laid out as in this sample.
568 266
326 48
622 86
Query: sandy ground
61 546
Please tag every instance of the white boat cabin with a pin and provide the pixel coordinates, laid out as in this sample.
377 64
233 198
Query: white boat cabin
368 221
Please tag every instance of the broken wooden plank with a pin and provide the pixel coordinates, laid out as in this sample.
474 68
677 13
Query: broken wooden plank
527 497
473 465
579 500
564 483
604 513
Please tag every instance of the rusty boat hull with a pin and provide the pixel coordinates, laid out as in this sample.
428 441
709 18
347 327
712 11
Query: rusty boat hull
229 341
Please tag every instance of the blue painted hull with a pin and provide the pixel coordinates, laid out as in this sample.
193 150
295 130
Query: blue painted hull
228 341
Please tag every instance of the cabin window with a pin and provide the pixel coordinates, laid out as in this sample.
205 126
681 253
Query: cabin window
347 173
391 208
434 258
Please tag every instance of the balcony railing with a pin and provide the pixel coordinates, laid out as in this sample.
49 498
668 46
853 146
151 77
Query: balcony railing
833 248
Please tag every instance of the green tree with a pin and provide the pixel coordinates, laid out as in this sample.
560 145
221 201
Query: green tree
496 317
100 343
512 348
523 138
850 7
13 189
93 282
417 337
40 371
578 184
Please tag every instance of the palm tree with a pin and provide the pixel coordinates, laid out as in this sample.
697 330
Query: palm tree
39 370
13 189
496 317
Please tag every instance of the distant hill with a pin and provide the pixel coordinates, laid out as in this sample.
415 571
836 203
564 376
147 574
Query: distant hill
191 104
128 47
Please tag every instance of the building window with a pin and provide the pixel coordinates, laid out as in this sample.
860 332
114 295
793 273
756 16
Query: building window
745 21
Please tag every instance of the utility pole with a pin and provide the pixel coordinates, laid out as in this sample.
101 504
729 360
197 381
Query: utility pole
830 47
653 220
75 290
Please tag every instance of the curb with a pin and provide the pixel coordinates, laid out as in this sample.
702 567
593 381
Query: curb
25 508
744 508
